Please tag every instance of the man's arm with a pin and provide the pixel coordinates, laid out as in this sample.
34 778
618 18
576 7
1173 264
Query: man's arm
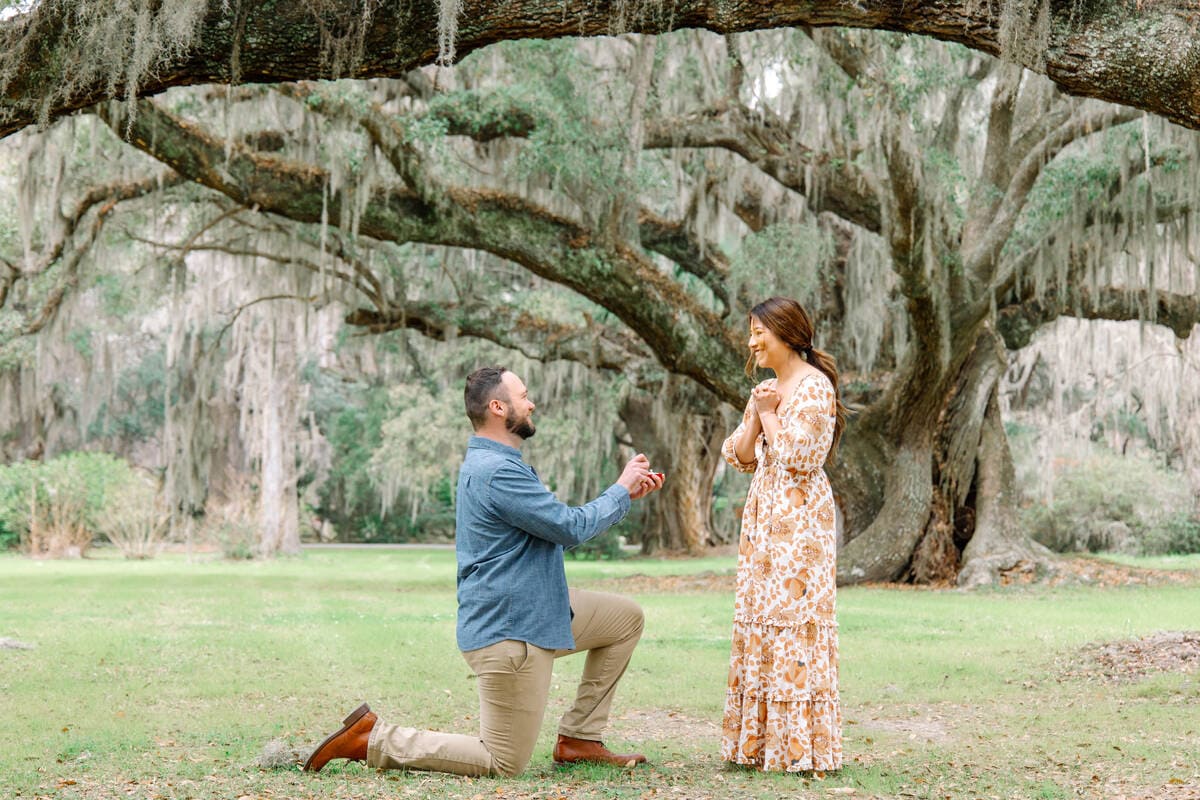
521 500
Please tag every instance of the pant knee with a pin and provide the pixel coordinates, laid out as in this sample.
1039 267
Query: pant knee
637 618
509 769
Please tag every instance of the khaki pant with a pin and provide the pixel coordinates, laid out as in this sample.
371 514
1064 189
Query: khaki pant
514 682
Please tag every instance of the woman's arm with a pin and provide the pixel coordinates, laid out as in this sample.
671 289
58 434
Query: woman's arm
738 449
752 427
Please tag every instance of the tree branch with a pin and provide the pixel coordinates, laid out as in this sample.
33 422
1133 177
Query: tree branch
674 239
592 343
1141 55
829 182
983 260
1018 322
685 337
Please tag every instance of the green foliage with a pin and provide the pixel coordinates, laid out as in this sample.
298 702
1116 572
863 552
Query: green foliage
81 340
1062 186
139 399
788 258
1179 534
351 417
917 69
118 297
504 110
569 147
1111 502
420 446
54 506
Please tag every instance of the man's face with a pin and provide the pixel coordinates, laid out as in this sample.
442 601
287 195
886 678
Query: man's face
518 418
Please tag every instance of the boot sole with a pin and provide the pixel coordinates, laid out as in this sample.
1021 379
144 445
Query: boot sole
347 723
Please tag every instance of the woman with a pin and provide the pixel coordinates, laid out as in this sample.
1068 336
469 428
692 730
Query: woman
781 708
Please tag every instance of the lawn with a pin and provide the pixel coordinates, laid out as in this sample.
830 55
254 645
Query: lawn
168 678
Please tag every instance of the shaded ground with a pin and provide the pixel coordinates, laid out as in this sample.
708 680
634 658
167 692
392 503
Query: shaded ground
1092 571
700 583
1070 571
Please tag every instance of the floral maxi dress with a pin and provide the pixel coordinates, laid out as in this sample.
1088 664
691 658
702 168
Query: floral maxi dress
781 708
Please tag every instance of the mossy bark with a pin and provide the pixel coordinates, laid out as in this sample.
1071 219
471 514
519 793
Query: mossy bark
1143 55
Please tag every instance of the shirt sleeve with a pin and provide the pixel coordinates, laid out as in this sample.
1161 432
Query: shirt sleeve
521 500
729 448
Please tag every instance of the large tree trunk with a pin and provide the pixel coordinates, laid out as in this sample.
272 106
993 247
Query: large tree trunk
998 546
947 509
681 433
279 525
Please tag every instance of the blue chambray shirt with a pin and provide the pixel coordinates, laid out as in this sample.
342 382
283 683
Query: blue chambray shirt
510 533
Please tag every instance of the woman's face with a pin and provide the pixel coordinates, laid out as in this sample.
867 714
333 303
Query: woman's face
768 350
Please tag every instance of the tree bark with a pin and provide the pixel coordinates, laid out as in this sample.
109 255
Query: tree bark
1140 55
998 547
680 431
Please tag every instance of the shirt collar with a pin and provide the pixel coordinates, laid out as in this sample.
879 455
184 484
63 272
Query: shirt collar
483 443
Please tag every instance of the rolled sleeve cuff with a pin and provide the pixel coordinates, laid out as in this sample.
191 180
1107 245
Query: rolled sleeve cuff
620 495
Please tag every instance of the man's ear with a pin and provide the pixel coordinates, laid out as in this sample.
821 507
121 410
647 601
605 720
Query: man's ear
496 406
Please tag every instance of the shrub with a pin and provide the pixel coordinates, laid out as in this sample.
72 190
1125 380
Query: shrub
1179 535
133 517
52 505
9 539
1105 501
231 521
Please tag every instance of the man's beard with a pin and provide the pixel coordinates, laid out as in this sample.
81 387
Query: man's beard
521 427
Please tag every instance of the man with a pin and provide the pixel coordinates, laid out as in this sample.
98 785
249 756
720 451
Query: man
515 612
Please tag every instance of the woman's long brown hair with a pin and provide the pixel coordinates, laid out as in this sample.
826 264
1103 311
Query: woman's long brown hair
788 320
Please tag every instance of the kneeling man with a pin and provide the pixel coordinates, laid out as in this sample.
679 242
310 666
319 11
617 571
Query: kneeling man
515 612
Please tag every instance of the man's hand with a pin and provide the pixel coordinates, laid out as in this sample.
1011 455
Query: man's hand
652 483
636 472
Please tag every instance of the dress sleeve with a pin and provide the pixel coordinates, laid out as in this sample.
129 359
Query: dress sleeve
729 448
806 433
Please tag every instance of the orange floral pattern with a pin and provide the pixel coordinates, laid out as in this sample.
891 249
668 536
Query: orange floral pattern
782 711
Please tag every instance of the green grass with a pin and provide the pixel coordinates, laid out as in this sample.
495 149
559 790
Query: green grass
1177 562
166 678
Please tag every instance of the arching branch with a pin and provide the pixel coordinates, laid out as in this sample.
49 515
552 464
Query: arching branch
829 181
675 240
1110 49
685 337
1018 322
592 343
983 260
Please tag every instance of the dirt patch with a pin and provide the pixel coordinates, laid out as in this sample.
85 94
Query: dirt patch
699 583
927 729
657 725
1072 571
13 644
1083 570
1133 659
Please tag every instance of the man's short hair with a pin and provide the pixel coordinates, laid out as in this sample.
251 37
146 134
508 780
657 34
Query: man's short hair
481 389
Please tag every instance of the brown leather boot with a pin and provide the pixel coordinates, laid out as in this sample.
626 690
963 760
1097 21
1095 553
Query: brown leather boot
348 742
568 750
